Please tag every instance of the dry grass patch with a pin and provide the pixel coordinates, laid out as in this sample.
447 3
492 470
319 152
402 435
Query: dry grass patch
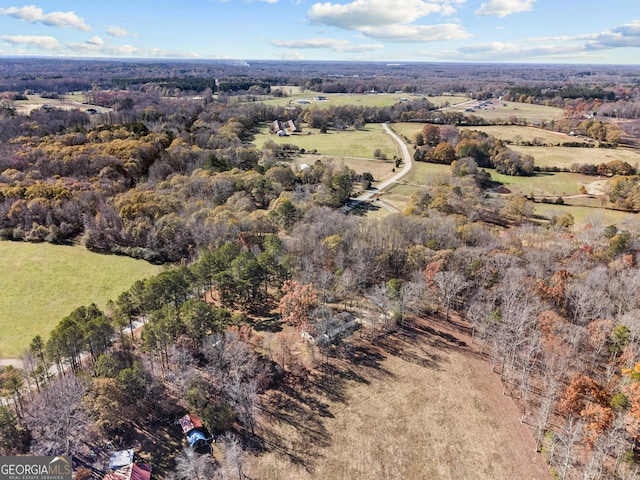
566 156
497 110
516 134
420 404
379 100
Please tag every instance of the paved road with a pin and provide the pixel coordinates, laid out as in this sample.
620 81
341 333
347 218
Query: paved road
407 160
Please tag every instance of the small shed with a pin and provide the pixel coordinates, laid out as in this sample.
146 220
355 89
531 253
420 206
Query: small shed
194 430
292 127
189 422
134 471
121 458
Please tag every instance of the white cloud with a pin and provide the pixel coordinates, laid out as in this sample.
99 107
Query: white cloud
390 20
115 31
126 51
563 47
417 33
121 50
95 41
516 51
84 48
375 13
629 29
328 43
33 14
503 8
627 35
41 42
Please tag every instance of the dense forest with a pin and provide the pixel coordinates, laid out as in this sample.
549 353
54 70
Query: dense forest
169 174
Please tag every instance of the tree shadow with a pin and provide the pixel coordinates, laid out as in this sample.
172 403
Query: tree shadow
271 324
299 413
361 209
304 400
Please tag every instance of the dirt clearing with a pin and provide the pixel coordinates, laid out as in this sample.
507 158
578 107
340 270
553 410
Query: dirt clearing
419 404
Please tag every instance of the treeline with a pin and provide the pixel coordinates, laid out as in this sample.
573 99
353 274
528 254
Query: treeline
472 148
189 84
527 94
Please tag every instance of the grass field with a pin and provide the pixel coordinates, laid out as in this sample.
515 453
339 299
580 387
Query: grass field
43 283
343 143
496 110
566 156
70 101
549 185
502 132
359 99
420 405
583 215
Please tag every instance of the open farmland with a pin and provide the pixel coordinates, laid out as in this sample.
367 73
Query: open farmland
564 157
510 133
43 283
418 405
586 215
340 143
357 99
499 110
70 101
542 185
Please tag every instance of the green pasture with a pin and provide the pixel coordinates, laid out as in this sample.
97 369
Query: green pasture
357 99
341 143
583 214
43 283
566 156
500 110
542 184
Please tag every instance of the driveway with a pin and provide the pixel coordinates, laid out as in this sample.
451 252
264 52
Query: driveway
407 160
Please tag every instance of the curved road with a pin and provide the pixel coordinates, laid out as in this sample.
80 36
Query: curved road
407 159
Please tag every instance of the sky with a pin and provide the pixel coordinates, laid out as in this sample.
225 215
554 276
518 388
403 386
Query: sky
516 31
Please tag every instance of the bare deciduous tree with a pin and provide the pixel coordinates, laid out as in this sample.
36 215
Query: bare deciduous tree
191 465
450 284
234 457
57 415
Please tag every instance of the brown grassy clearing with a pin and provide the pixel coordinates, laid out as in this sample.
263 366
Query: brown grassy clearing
500 110
71 101
418 404
566 156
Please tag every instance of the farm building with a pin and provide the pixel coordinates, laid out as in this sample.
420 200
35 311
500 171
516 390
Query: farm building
123 467
283 128
194 430
133 471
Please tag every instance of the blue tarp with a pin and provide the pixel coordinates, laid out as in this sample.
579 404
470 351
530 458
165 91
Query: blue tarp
196 436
